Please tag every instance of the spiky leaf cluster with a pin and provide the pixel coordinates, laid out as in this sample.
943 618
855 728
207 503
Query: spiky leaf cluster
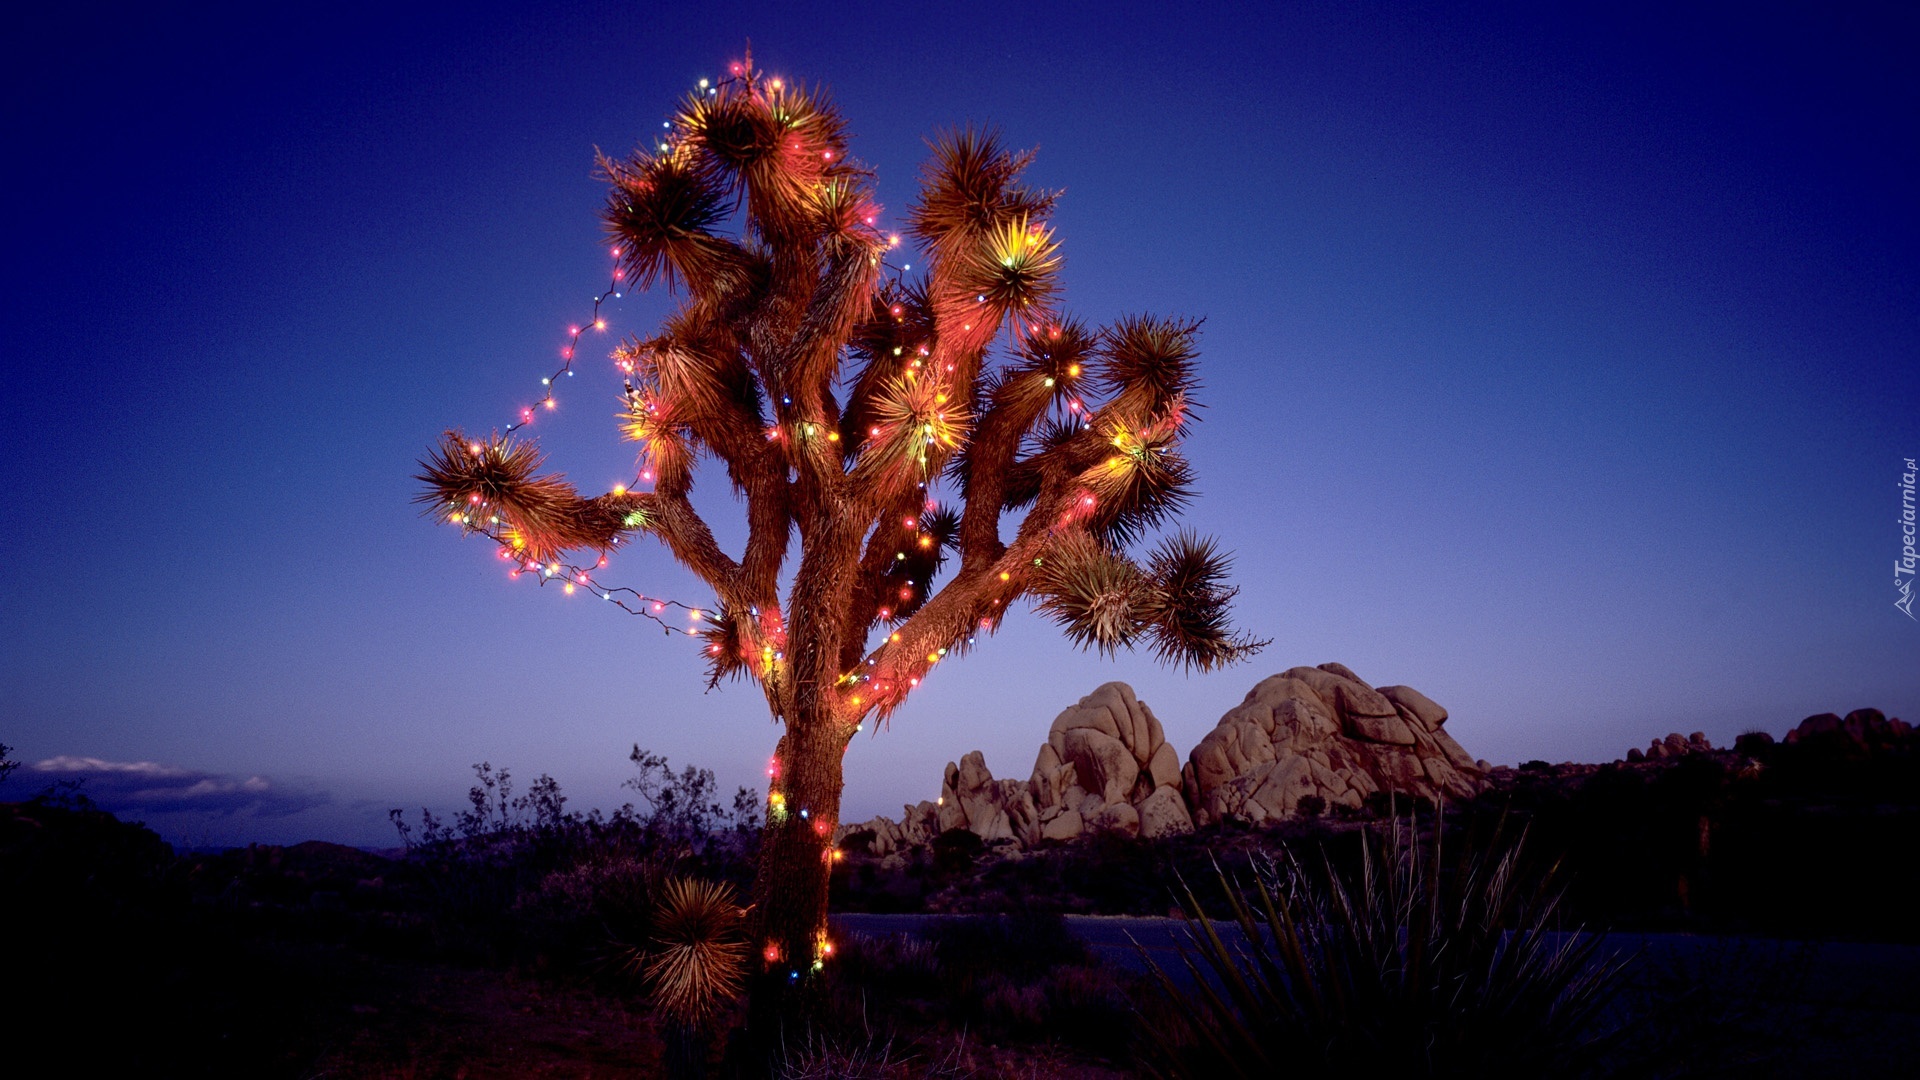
495 487
971 187
1177 602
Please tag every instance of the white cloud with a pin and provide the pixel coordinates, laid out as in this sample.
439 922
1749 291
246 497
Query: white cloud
155 788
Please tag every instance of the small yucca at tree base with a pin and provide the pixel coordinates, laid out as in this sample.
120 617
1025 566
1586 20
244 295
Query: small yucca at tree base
890 424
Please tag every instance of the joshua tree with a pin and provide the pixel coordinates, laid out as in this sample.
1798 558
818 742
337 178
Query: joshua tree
888 422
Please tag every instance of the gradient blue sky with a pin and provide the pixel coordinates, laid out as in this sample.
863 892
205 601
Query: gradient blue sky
1559 364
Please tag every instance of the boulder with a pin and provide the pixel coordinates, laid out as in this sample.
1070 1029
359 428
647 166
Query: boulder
1815 726
1380 729
1324 733
1407 699
1066 825
1164 813
1102 762
1116 817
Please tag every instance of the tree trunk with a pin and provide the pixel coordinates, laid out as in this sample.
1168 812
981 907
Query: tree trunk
789 920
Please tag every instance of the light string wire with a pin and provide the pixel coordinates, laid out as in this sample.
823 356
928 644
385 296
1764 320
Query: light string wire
571 576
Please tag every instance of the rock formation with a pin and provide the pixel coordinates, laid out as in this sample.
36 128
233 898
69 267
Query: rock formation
1672 746
1107 765
1863 730
970 798
1323 732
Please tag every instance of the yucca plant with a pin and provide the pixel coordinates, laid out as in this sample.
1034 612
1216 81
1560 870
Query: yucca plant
697 965
1396 969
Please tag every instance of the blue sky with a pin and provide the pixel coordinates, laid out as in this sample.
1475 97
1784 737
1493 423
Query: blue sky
1560 365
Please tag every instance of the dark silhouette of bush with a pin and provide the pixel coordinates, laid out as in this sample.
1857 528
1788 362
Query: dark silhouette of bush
1402 968
519 879
997 979
1790 838
109 958
956 849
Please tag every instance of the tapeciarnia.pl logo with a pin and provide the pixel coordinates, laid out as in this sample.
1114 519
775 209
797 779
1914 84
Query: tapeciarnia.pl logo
1904 565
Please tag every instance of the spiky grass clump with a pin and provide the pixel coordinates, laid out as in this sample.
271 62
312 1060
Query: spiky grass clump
700 960
1405 972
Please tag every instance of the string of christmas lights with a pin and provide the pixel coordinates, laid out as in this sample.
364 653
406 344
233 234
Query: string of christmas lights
567 353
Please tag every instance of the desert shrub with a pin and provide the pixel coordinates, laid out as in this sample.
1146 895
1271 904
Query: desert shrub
591 911
522 879
1398 970
999 980
683 815
817 1057
956 849
1025 976
93 906
1389 804
867 1056
898 966
1022 946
